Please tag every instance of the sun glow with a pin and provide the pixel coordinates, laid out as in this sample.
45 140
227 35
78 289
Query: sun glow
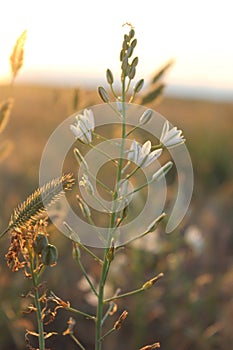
72 37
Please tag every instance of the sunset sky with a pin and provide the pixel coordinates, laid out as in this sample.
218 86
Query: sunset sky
80 39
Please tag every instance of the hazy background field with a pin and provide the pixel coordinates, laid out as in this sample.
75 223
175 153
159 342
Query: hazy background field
192 308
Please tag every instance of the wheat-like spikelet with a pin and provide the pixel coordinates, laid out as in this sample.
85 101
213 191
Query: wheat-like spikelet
5 110
35 205
17 55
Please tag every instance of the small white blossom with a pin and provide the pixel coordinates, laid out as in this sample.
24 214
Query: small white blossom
171 138
142 155
87 184
84 125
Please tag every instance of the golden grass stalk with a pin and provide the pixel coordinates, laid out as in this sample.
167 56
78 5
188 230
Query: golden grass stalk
35 205
17 56
5 110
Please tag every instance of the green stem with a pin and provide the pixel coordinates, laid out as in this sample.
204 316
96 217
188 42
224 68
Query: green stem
77 341
71 309
120 296
106 263
38 307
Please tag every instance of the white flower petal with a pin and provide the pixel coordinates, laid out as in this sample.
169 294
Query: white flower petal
164 130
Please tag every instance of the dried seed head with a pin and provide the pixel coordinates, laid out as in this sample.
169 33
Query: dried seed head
151 347
120 320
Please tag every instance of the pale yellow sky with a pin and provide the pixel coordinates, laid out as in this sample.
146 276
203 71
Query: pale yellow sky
83 38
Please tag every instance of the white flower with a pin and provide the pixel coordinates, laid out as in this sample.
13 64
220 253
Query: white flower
142 155
171 138
87 184
84 125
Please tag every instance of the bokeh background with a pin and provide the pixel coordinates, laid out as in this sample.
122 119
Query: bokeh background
68 48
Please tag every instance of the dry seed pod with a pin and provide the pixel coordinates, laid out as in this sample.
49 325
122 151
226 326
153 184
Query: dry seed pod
41 242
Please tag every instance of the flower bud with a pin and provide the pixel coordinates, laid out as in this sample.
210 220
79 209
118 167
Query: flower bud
134 43
155 223
125 45
129 51
134 62
124 64
49 255
150 283
131 33
111 252
103 94
126 38
122 54
146 117
40 243
109 76
84 207
80 159
162 171
139 85
87 185
132 72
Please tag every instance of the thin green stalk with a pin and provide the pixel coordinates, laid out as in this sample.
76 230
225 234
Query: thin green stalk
38 307
104 154
87 277
71 309
120 296
106 263
77 342
107 333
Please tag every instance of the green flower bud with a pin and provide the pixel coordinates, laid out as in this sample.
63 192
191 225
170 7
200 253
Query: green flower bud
146 117
109 76
129 51
49 255
125 45
132 72
103 94
80 159
124 64
40 243
134 43
84 207
139 85
126 38
122 54
134 62
131 33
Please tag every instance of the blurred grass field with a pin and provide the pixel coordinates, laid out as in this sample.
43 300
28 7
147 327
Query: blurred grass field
192 308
